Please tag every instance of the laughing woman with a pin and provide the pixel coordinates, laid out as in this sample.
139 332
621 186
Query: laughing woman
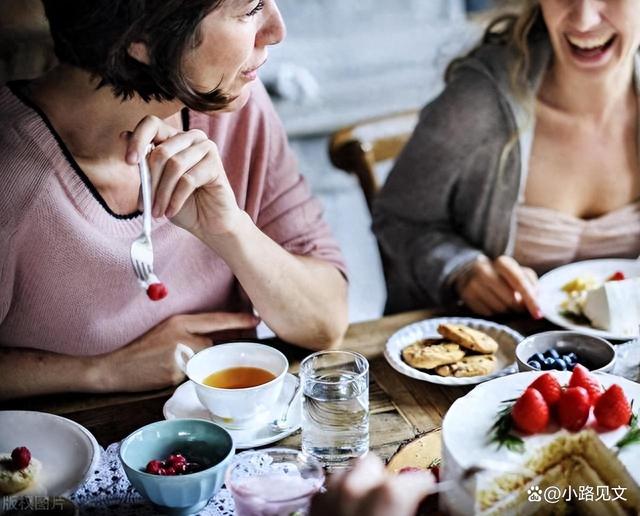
528 160
235 227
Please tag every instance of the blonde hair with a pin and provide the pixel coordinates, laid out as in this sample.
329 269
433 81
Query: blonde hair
517 32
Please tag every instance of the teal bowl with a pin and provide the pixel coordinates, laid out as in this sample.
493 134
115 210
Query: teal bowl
195 438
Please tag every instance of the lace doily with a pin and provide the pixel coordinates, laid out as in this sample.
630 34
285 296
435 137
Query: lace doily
108 491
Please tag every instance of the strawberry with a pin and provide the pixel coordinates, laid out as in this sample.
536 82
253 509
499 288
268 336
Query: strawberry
548 386
21 457
157 291
617 276
582 378
612 409
530 413
573 408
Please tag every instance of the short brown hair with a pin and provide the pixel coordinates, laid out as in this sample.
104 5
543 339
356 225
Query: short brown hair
95 35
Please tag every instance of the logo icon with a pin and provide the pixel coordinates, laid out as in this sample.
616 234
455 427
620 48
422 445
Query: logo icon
535 494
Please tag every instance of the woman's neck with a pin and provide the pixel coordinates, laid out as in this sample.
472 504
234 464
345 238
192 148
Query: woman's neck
89 120
599 99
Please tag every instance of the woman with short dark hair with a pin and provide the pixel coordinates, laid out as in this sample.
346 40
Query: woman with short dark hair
235 227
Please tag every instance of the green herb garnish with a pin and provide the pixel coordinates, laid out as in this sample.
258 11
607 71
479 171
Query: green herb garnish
501 432
633 434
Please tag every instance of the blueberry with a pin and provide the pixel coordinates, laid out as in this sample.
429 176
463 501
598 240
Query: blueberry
560 365
534 364
572 357
538 357
553 353
548 364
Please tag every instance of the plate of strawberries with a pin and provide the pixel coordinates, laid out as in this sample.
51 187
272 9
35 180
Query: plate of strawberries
547 403
508 419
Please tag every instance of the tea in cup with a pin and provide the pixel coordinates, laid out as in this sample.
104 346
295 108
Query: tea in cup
238 383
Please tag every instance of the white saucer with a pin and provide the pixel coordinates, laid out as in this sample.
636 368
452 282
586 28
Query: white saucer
185 404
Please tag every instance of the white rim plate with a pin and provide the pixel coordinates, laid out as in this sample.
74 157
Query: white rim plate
550 294
67 451
505 336
185 404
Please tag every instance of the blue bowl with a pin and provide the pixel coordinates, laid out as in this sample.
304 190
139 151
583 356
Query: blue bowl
180 494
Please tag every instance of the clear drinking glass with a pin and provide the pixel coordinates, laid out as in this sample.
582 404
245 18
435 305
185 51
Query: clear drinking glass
273 482
335 407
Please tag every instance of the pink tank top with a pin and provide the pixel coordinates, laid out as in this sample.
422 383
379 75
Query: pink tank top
546 238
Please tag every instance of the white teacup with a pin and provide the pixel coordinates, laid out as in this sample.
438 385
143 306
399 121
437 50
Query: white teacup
235 408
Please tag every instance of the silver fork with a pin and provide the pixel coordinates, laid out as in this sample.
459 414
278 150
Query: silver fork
142 248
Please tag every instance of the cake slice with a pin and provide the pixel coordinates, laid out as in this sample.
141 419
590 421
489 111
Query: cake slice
579 462
615 306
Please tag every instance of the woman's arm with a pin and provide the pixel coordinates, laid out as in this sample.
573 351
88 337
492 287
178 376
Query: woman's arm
146 363
285 261
435 198
302 299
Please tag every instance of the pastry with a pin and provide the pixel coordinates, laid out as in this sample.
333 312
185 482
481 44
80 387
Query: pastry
18 470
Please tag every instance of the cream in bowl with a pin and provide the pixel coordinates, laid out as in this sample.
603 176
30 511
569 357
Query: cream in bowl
238 383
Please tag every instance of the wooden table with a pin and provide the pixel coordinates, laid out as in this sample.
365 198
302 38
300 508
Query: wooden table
401 407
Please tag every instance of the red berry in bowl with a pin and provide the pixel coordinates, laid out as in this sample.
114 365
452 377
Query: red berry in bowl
154 467
157 291
176 459
21 457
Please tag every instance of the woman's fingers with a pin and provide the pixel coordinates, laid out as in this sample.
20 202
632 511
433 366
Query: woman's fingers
169 162
476 305
485 292
401 494
150 129
199 175
519 281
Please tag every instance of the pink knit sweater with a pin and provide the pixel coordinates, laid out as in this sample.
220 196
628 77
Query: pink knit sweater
66 283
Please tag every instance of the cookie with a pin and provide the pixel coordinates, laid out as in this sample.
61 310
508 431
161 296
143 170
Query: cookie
472 365
468 338
430 353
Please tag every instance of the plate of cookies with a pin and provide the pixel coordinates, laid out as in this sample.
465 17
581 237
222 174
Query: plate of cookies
453 350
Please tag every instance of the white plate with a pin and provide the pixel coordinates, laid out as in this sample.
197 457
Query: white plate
67 451
467 423
550 294
506 338
185 404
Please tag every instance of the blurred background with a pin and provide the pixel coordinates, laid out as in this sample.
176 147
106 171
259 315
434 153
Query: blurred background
342 62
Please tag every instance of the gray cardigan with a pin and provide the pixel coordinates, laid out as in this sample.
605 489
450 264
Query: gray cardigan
445 201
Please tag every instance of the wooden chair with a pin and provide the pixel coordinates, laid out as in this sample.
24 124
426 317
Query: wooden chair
358 148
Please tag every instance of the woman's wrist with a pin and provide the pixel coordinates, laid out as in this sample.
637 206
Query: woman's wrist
236 234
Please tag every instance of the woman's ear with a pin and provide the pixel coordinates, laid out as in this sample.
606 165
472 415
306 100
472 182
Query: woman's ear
139 51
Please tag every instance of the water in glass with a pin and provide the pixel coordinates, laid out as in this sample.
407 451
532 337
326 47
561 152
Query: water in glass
335 416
